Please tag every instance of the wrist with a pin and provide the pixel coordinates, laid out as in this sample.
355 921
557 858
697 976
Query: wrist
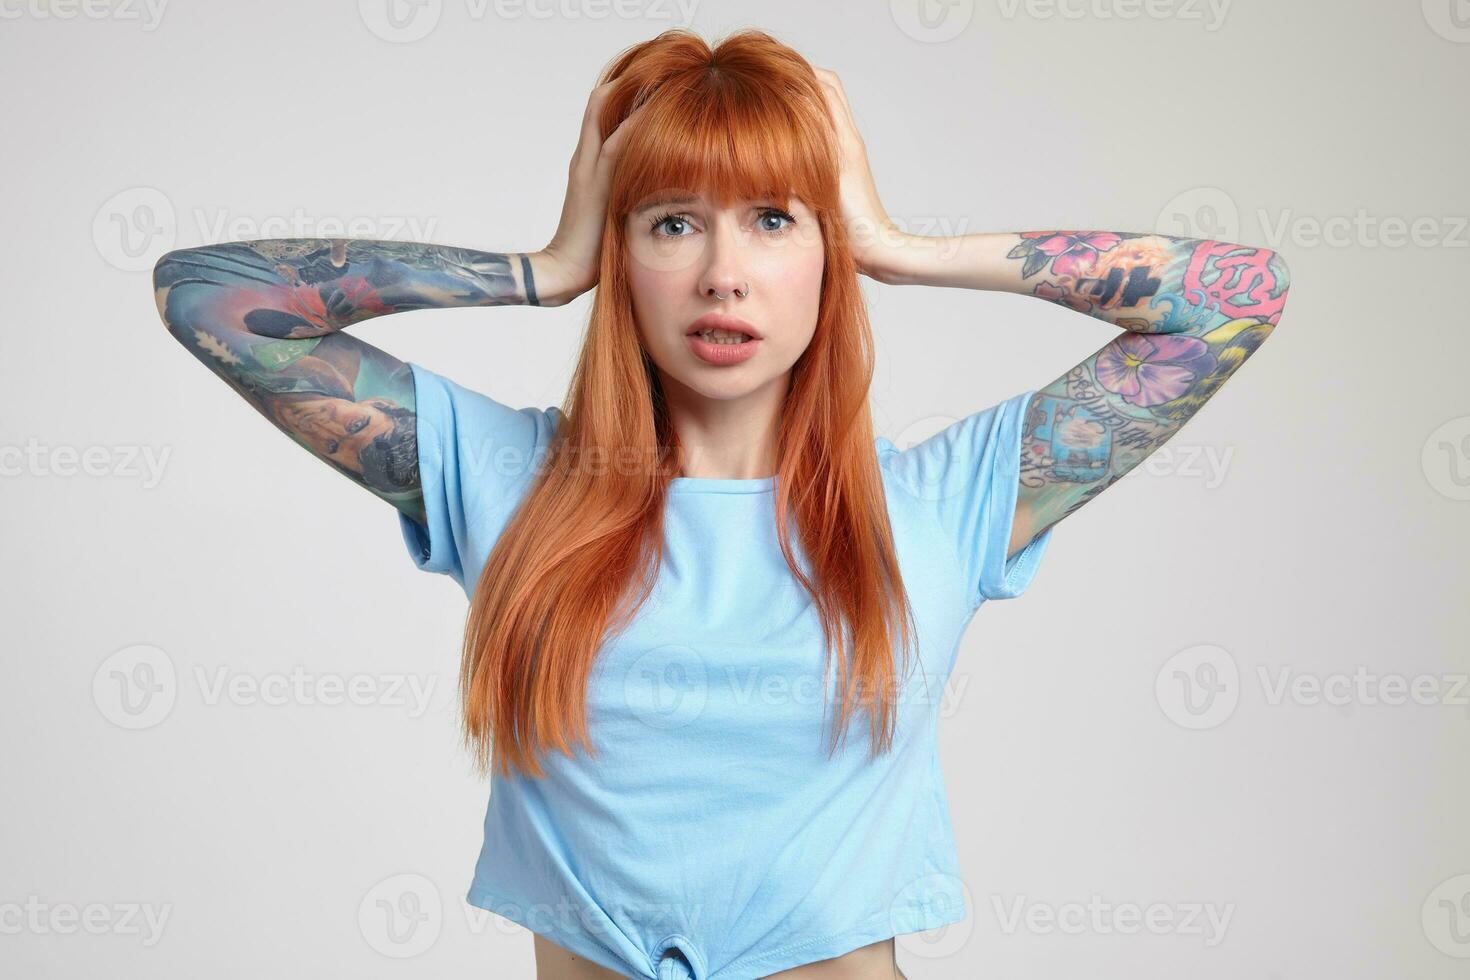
550 284
901 259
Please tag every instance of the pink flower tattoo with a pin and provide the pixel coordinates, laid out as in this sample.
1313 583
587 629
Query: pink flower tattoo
1072 252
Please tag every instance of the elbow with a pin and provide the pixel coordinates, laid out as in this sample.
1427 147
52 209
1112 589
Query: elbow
160 285
1265 279
1279 269
164 268
1280 282
166 272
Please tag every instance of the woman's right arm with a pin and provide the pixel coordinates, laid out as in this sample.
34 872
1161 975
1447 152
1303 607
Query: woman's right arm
266 316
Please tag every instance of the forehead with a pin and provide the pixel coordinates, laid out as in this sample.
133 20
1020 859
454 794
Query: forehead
686 199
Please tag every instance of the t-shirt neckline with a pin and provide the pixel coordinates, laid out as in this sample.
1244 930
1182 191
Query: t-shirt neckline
699 484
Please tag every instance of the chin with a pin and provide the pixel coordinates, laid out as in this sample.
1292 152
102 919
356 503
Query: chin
719 384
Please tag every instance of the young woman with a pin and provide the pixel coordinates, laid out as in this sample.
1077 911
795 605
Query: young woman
673 577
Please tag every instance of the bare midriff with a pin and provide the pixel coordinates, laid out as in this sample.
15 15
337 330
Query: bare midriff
872 962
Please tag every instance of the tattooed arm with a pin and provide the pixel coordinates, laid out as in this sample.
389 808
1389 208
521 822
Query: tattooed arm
1193 310
267 317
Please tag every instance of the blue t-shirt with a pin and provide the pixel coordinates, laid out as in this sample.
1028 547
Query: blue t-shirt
712 823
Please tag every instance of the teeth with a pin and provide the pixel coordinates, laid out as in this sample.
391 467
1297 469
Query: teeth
721 336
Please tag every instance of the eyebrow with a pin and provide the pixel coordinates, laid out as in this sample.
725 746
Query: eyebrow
682 200
664 201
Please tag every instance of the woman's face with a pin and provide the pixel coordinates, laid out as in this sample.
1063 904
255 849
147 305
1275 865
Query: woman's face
338 428
685 254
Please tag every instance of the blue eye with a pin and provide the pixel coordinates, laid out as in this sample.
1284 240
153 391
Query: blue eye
775 212
663 218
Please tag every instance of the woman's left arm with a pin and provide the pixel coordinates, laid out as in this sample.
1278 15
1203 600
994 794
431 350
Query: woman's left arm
1192 310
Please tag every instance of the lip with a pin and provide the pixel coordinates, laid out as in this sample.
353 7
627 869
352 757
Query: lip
722 355
723 321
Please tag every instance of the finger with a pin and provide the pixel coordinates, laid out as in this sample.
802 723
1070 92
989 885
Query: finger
834 97
615 140
589 117
830 78
841 115
829 94
597 96
612 147
842 109
842 102
591 138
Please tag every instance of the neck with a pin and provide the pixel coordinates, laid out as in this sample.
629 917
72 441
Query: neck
728 438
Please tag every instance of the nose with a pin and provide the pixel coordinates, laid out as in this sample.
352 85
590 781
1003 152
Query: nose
724 268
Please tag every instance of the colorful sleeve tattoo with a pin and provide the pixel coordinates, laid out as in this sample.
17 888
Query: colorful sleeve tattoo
1193 309
267 317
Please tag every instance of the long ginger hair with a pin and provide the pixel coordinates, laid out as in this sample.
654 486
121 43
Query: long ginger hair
743 120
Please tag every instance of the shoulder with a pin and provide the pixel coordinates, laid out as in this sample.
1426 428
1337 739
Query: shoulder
487 438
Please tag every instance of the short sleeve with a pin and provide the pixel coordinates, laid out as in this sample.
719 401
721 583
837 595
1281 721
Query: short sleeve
476 459
968 476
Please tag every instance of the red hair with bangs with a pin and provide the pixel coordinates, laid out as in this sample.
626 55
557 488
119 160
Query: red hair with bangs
744 120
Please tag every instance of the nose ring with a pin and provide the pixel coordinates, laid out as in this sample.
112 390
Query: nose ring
742 293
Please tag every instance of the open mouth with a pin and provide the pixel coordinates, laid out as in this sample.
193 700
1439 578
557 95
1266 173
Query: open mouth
716 335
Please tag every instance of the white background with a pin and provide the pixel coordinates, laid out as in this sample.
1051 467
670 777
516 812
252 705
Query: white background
1310 523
